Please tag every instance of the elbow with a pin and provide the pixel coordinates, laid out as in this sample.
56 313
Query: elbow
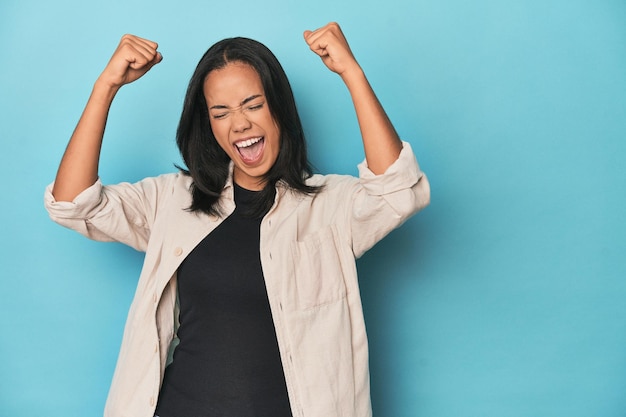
422 193
420 196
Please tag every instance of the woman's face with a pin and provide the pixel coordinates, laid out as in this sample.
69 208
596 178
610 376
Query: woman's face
242 123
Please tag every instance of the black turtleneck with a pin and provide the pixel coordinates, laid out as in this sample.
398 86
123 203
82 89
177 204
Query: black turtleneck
227 363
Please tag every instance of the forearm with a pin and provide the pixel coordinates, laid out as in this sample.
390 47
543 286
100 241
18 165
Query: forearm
79 166
380 140
133 57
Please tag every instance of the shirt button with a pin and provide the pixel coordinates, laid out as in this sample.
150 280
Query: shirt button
155 298
152 401
178 251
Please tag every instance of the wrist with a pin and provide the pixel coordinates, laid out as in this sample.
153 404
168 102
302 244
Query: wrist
104 91
353 76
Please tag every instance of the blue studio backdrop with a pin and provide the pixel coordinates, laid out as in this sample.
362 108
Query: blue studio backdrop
505 297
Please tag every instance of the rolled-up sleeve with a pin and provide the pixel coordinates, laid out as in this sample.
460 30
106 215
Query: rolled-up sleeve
122 212
75 214
387 200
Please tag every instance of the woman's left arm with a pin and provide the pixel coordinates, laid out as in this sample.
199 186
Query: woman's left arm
380 141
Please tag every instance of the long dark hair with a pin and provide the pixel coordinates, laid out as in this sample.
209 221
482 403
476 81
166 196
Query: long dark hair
206 161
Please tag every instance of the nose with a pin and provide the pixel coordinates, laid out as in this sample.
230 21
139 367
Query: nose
239 122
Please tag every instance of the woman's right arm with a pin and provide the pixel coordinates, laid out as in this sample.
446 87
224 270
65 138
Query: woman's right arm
78 170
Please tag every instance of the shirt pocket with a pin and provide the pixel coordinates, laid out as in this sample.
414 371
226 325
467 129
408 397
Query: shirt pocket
318 273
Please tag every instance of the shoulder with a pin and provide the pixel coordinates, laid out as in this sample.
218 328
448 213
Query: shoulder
333 187
166 183
178 178
154 191
331 180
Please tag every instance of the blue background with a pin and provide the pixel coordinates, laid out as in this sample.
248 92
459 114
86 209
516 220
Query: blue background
505 297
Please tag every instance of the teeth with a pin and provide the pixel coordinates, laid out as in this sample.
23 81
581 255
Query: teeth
246 143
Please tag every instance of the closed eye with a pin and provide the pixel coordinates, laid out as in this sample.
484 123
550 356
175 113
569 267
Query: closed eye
222 112
256 106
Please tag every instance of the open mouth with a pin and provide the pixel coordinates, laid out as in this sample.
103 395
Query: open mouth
251 149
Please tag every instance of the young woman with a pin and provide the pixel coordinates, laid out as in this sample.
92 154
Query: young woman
248 301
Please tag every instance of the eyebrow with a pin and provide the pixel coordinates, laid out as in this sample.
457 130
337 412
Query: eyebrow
243 103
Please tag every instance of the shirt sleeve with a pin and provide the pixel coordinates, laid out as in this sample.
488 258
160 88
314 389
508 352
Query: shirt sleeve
383 202
123 212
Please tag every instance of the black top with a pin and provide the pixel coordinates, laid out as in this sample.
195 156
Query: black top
227 363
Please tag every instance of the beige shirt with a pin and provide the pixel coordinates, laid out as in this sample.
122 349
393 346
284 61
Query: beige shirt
308 249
